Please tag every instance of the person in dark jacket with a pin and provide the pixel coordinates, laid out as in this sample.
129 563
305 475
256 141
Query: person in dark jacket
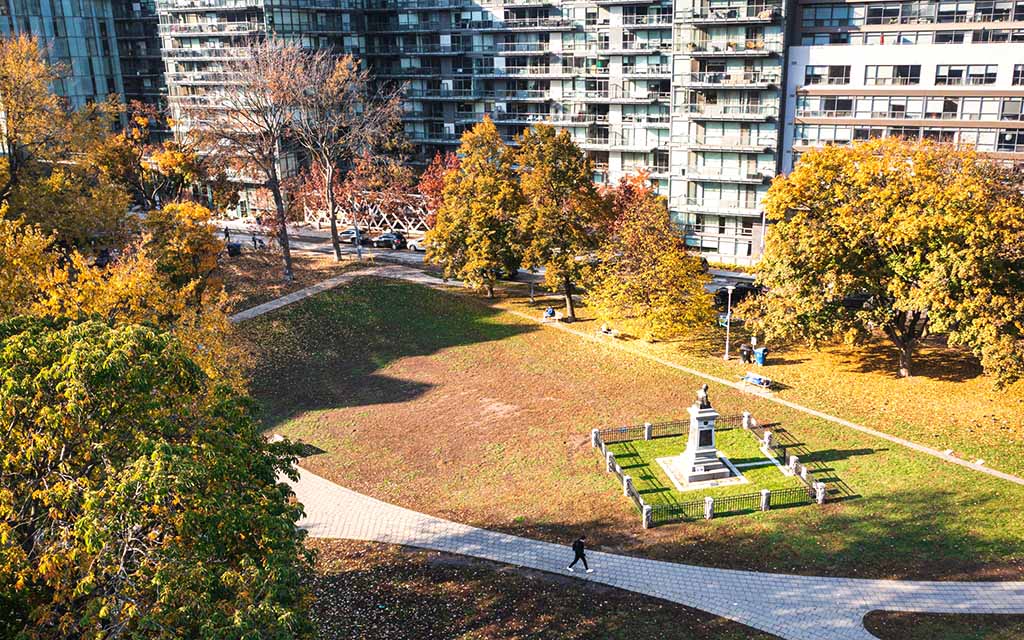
579 548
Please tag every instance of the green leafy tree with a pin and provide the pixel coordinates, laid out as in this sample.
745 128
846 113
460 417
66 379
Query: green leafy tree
902 238
138 499
563 218
473 235
644 272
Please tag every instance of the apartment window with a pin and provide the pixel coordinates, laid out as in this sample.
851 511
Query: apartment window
883 14
892 74
954 11
825 16
947 74
949 37
1011 109
1010 140
1018 74
827 74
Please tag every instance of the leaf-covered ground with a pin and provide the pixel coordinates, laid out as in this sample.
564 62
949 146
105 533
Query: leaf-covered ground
366 590
441 403
893 625
255 278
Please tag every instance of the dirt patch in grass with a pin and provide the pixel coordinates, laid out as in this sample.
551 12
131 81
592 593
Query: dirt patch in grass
446 405
896 625
254 278
367 590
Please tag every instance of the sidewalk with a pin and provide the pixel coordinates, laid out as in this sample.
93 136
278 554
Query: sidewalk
792 607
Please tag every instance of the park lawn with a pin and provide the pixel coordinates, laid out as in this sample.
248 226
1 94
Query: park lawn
638 459
254 278
438 402
897 625
368 590
946 404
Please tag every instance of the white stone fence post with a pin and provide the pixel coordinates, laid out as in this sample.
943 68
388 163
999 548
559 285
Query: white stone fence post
746 420
648 431
819 492
766 499
648 516
595 437
794 462
627 485
709 508
610 462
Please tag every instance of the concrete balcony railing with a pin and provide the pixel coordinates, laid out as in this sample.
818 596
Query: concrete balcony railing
647 119
189 5
207 53
730 79
736 143
227 28
649 70
724 206
515 24
718 174
740 112
660 20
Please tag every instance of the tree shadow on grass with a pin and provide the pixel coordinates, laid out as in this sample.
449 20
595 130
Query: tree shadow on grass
329 351
933 360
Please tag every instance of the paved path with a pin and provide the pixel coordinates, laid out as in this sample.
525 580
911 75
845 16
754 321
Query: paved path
792 607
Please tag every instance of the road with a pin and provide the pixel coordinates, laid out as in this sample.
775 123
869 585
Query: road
319 241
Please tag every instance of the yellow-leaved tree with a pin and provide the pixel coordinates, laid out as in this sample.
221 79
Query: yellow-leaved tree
898 237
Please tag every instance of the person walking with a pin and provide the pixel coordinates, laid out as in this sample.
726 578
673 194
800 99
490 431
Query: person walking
227 234
579 548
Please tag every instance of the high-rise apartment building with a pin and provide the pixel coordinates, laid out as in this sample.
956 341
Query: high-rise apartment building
77 35
138 47
949 71
711 97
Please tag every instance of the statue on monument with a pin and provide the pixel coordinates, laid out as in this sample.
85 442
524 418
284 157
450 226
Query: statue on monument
703 401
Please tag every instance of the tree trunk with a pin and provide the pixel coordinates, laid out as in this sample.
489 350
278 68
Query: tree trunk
332 213
282 223
570 308
906 354
490 289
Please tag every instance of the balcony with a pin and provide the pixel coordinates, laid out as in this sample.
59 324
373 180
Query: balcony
207 53
731 112
192 5
646 21
638 47
657 121
728 48
730 15
417 50
730 79
521 24
702 205
533 71
520 48
210 28
717 174
649 71
735 143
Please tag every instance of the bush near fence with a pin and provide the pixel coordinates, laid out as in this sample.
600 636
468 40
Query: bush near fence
652 515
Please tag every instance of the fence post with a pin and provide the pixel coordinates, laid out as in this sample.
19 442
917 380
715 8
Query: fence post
804 473
794 462
609 462
595 437
648 517
648 430
767 440
627 484
766 499
819 492
746 419
709 508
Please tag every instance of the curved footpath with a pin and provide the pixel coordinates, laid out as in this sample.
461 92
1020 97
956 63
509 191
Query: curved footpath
793 607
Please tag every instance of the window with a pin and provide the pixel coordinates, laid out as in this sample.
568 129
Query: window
947 74
883 14
892 74
949 37
1018 74
1011 109
830 74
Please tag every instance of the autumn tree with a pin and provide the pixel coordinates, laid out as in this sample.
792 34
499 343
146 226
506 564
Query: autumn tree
562 219
27 264
431 182
181 238
644 271
250 121
903 238
342 115
473 238
138 498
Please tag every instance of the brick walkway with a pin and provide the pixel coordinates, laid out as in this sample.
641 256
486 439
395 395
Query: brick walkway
792 607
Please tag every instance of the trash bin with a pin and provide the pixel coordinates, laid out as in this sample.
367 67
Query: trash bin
760 355
234 249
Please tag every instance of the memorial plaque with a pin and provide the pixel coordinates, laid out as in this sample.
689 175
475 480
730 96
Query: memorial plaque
706 438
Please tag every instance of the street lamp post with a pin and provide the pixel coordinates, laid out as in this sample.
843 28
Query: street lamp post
728 320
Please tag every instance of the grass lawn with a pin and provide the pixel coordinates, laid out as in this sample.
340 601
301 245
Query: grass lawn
946 404
441 403
254 278
892 625
367 590
638 459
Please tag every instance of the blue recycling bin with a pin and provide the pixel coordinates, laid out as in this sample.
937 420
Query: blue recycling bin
760 355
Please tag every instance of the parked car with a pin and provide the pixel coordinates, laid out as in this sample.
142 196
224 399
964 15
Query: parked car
348 236
417 244
390 240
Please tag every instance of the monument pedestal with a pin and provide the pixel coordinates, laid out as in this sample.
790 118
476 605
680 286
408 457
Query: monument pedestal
700 462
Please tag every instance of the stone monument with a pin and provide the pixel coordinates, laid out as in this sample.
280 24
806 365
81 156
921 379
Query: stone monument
700 460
